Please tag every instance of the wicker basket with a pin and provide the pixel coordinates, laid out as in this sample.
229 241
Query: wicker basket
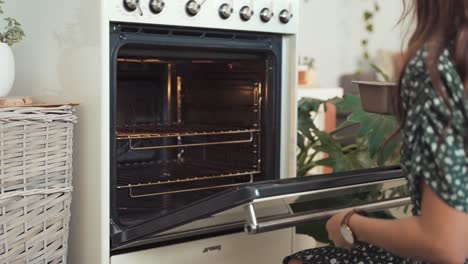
35 183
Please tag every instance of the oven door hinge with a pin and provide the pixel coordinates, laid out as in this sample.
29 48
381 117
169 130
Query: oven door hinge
114 228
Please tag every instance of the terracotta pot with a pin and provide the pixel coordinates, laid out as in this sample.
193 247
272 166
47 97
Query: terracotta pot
302 70
378 97
307 77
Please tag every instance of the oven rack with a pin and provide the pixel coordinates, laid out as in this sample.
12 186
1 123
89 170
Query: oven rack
212 182
182 133
131 136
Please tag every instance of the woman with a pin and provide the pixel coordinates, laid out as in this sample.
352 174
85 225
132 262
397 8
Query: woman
434 115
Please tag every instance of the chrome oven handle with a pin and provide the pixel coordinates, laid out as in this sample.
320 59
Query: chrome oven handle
254 226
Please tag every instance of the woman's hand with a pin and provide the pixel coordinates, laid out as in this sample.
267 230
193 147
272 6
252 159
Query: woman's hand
334 233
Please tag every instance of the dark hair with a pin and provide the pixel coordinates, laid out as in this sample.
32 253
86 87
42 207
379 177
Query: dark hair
439 24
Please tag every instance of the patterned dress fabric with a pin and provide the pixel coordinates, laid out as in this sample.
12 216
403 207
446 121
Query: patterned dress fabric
435 149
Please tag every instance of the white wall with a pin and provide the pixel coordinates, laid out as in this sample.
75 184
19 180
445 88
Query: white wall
331 32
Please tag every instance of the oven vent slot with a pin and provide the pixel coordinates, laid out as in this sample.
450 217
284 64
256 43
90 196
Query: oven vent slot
130 29
194 33
155 31
187 33
247 37
220 35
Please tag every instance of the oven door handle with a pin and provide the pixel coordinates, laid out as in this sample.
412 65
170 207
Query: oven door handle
255 226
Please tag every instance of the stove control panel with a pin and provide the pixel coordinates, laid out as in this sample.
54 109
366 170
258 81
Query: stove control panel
248 15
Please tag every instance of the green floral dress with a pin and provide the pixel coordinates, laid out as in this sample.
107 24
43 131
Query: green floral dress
435 149
435 141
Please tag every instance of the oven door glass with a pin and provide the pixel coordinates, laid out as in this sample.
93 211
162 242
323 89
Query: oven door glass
303 198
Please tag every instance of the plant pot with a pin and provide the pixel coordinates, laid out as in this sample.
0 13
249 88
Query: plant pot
378 97
7 69
302 69
307 77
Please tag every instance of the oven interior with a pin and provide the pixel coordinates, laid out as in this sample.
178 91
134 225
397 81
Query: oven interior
188 124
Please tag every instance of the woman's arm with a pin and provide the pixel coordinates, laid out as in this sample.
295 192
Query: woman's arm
439 235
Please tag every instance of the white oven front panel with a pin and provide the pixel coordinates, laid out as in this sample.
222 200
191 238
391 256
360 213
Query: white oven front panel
269 247
174 13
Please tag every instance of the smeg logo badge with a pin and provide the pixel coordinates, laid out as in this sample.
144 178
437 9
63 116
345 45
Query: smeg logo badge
212 248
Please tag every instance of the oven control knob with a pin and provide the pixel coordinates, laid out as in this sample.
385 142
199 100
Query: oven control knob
266 14
192 7
132 5
246 13
285 16
156 6
225 11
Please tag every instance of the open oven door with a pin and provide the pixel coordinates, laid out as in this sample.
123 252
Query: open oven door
249 197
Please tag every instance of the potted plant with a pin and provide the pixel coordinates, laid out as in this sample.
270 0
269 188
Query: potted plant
13 33
365 150
307 75
376 96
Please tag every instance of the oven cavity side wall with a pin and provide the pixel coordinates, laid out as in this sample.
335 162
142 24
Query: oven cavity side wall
288 107
62 59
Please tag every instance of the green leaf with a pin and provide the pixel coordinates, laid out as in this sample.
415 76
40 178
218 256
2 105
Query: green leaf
366 55
389 153
327 141
337 161
368 15
348 104
370 28
380 72
300 141
308 105
327 162
304 170
365 159
306 126
366 120
377 137
364 42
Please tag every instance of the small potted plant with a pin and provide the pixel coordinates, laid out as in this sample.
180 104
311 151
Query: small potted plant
376 96
13 33
307 75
